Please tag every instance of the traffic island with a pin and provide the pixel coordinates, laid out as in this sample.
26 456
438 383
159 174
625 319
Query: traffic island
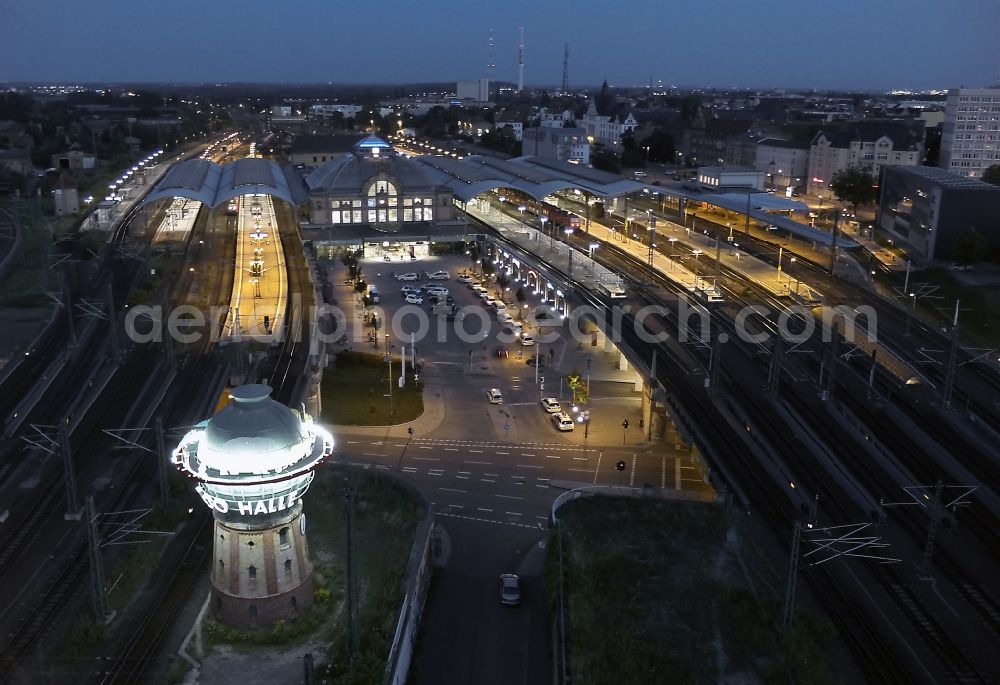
357 392
668 591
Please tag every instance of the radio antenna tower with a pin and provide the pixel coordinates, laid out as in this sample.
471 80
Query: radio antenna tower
520 61
490 64
565 81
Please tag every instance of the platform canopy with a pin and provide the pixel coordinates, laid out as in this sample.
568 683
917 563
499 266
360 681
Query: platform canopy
214 184
476 174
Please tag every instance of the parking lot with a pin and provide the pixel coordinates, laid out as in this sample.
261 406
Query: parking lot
465 351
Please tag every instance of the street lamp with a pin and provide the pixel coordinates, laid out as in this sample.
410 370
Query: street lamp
543 219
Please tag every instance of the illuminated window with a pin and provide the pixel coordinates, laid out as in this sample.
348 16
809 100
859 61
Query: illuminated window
381 216
356 216
371 216
407 201
335 217
428 213
393 215
418 214
407 215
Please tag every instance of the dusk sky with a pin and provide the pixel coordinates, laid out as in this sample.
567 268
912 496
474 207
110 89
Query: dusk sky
862 44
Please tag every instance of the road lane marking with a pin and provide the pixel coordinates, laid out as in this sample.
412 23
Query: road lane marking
598 467
631 478
510 496
462 477
526 454
677 474
492 475
450 449
520 477
465 472
552 456
503 452
352 442
427 458
483 509
539 485
370 454
484 463
487 480
429 473
477 451
513 513
423 448
580 470
452 490
529 466
540 478
377 442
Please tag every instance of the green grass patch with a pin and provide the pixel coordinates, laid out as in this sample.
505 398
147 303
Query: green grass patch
356 392
656 593
979 318
31 276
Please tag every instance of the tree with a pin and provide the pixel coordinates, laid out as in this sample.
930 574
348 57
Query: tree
578 385
520 295
992 174
970 247
854 186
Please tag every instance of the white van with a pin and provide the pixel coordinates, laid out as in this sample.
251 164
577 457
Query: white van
494 396
373 294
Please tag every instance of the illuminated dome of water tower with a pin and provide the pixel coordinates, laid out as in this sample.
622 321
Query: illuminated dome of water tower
252 462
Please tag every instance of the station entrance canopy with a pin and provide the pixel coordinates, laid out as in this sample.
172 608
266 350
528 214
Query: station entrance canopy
214 184
538 177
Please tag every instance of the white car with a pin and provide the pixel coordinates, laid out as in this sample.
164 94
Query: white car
438 290
562 421
483 295
504 317
551 405
439 276
489 300
527 340
408 289
499 306
464 278
413 298
494 396
409 276
478 288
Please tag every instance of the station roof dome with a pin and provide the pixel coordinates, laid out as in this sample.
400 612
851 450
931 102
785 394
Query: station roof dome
253 434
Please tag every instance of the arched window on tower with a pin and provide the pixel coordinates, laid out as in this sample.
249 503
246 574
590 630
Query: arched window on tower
252 577
288 569
283 538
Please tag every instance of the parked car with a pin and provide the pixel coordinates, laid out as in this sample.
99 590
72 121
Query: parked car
510 589
562 421
551 405
407 289
527 340
504 317
443 292
484 295
439 276
489 300
465 278
413 298
408 276
494 396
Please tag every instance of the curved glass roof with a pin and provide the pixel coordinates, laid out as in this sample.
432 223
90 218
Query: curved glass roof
214 184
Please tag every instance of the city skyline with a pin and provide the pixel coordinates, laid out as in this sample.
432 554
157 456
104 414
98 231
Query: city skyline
860 47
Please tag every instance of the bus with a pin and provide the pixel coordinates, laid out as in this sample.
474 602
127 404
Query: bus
233 208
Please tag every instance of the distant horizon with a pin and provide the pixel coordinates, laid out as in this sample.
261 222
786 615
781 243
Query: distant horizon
852 45
941 91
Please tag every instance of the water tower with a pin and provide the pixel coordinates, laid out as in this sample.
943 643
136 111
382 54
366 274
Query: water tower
253 462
